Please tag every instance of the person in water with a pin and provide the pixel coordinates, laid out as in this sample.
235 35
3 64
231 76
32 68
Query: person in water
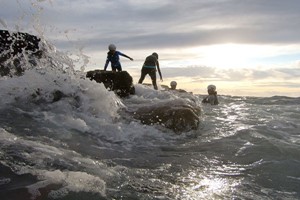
212 95
150 66
114 59
173 85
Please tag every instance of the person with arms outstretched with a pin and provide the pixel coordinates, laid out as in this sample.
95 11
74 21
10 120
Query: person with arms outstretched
114 59
150 66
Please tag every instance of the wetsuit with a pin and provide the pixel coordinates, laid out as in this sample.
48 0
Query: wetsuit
211 99
149 67
114 59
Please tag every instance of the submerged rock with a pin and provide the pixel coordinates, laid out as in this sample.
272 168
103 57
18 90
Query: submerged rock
120 82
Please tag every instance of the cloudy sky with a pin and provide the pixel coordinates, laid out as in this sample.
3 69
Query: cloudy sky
244 47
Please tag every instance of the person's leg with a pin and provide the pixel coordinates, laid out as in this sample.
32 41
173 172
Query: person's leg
153 78
119 68
143 75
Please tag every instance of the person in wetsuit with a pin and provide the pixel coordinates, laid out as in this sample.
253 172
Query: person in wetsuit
173 85
150 66
212 96
114 59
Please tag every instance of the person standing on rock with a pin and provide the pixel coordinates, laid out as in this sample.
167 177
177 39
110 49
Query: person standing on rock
150 66
114 59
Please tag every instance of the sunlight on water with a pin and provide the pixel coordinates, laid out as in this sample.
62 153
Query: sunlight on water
85 142
207 187
228 119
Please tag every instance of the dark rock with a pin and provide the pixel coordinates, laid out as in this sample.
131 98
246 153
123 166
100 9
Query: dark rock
57 95
18 42
120 82
16 186
176 115
16 47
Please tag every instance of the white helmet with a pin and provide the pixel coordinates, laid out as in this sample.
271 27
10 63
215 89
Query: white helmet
173 83
112 47
211 87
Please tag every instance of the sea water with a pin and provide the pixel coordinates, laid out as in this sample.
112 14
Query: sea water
87 146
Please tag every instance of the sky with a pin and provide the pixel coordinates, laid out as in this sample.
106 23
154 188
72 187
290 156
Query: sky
244 47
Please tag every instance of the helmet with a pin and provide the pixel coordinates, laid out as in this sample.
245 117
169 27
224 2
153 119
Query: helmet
173 83
155 54
211 87
112 47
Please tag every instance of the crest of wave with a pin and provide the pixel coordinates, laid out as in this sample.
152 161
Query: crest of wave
51 78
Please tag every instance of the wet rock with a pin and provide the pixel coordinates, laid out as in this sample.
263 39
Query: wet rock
17 48
120 82
176 115
57 95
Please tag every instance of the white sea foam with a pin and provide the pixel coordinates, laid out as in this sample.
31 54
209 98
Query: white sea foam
74 181
87 139
70 181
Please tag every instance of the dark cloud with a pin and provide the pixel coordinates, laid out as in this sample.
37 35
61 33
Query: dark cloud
163 24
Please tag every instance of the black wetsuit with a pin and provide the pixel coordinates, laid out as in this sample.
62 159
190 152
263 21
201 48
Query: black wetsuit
149 67
211 99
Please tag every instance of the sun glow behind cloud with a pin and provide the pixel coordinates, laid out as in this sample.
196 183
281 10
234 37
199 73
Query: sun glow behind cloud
238 55
248 48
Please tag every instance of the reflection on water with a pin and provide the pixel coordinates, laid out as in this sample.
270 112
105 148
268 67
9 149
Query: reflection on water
219 180
208 185
242 150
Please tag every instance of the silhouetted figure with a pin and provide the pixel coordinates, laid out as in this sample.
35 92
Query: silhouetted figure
150 66
114 59
173 85
212 95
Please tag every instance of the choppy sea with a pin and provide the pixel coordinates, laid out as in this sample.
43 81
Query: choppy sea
85 146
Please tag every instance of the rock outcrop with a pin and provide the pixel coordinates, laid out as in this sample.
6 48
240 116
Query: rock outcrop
177 115
120 82
15 48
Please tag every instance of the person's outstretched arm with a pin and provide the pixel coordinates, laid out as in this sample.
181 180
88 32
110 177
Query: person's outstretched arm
122 54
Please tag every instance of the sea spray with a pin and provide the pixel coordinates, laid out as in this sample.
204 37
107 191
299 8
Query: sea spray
83 144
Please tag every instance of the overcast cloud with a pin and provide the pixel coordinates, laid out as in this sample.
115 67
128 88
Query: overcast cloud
138 26
163 23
